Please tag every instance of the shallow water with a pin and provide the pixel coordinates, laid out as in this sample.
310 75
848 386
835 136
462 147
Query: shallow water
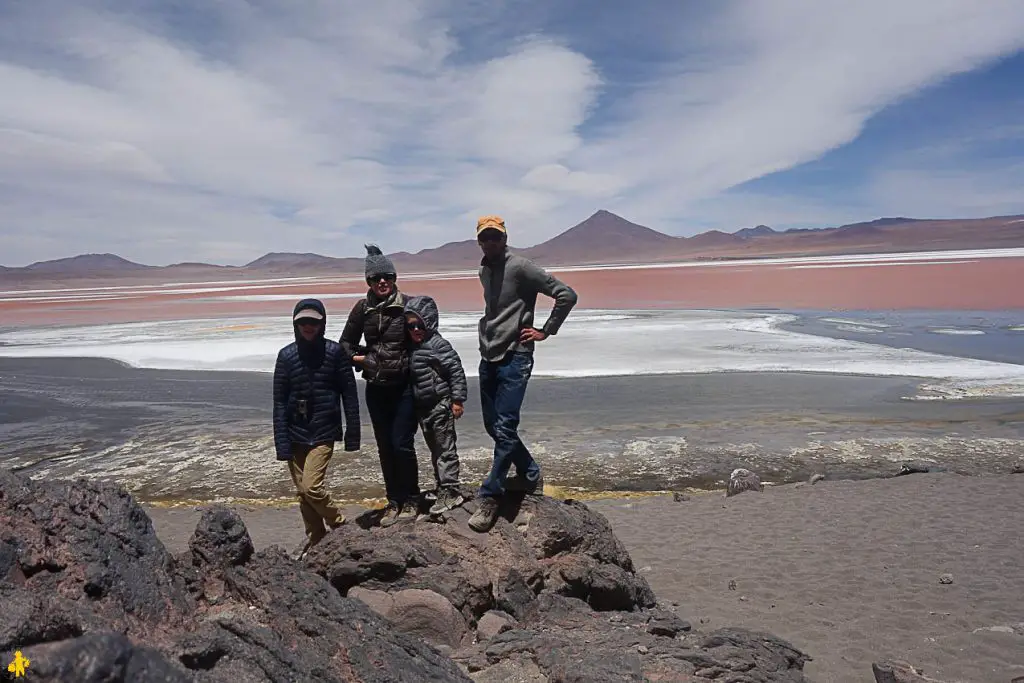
181 435
987 335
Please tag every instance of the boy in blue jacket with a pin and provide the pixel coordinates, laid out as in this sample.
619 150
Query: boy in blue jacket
313 381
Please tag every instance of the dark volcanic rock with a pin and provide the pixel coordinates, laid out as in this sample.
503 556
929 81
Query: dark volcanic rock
89 594
555 570
586 650
278 621
663 623
743 480
89 582
919 467
603 586
221 538
94 547
561 547
101 658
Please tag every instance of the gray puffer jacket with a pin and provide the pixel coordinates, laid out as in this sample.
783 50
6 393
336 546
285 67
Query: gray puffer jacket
434 367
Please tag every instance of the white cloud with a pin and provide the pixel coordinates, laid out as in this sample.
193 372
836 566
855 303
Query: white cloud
776 84
222 131
939 193
520 110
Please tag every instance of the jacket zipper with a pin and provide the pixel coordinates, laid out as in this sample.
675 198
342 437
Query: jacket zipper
380 337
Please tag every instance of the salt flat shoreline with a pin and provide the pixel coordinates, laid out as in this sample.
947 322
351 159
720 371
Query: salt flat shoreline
191 436
849 571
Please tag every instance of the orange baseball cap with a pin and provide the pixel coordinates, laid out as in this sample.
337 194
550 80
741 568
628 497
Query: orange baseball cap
490 223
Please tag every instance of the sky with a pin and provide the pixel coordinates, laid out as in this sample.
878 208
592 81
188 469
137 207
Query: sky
189 130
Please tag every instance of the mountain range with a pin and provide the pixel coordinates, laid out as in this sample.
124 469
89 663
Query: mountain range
603 238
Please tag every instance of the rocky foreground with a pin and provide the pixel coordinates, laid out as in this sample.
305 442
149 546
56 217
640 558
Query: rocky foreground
89 594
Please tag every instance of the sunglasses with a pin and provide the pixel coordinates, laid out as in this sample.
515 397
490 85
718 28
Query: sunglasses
387 277
489 236
308 322
415 326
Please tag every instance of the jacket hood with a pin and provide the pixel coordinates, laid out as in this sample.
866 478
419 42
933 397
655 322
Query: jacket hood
317 306
425 308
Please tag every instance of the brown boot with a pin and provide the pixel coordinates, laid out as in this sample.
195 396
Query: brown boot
390 515
485 516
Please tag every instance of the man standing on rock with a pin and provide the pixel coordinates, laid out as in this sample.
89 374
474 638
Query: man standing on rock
511 284
313 382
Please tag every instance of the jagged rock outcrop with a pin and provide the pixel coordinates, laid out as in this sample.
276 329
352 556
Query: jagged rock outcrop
550 594
90 594
87 582
539 546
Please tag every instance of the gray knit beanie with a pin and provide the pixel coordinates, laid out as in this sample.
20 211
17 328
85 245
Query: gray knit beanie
377 263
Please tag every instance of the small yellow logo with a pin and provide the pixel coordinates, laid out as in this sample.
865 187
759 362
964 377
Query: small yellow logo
18 665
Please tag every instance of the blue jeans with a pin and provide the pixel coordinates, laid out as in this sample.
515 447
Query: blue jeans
502 390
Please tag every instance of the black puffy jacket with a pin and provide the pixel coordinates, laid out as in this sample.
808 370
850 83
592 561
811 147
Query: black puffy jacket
382 323
434 366
311 379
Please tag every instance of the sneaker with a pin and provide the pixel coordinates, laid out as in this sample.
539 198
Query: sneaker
520 484
447 499
390 515
485 516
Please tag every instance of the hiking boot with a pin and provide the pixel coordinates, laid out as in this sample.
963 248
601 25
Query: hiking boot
447 499
390 515
485 516
410 511
430 496
520 484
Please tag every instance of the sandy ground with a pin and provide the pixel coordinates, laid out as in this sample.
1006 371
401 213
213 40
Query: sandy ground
847 570
983 284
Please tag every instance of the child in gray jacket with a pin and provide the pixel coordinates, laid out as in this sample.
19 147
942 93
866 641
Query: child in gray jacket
439 387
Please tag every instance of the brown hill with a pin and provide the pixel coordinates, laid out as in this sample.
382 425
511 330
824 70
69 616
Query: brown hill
712 240
286 262
451 256
888 235
759 231
602 238
85 264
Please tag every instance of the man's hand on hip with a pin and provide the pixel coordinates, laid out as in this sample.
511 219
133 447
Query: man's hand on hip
531 334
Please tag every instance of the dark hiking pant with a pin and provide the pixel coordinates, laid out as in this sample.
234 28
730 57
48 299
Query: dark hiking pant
393 416
438 424
502 390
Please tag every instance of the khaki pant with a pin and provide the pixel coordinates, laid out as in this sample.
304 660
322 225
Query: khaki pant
308 467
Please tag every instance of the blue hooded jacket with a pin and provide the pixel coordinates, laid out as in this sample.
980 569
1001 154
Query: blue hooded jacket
313 381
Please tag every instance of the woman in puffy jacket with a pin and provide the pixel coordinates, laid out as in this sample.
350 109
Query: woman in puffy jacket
384 360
